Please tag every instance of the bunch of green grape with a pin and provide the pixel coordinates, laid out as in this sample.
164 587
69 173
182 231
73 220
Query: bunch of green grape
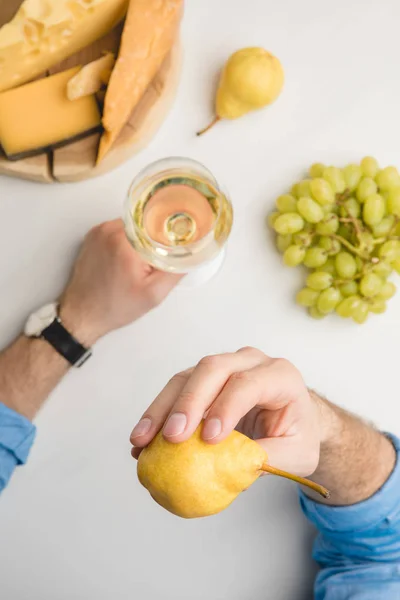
343 225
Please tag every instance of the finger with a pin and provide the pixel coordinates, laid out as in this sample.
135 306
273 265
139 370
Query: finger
160 284
154 417
271 385
201 389
294 454
135 452
109 227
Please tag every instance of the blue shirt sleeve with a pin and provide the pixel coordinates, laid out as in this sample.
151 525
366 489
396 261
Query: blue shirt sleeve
358 546
17 435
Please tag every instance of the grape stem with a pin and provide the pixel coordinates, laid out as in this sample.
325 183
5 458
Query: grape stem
356 225
396 222
349 246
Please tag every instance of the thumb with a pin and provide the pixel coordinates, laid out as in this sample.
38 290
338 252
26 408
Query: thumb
290 454
161 283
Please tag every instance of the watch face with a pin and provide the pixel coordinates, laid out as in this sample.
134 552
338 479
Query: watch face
41 319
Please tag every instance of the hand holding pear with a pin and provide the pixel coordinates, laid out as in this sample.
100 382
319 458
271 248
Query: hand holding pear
194 459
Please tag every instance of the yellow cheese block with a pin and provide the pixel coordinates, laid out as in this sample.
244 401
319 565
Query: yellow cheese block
38 116
45 32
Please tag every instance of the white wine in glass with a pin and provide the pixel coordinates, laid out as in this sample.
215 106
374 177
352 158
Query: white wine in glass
178 217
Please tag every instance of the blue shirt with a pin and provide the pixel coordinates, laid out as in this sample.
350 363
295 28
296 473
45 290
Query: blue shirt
357 547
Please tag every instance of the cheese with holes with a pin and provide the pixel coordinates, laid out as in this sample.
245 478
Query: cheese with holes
45 32
38 116
150 30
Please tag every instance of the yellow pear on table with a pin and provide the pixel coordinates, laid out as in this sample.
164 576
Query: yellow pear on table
197 479
251 79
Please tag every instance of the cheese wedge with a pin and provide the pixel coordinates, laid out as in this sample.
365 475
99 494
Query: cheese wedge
150 30
91 77
38 116
45 32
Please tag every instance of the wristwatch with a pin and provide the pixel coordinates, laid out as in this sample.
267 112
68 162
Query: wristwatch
46 324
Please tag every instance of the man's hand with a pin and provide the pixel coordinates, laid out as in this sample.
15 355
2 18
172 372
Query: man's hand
267 400
110 286
264 398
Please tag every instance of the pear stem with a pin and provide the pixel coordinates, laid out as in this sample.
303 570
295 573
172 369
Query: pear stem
310 484
213 122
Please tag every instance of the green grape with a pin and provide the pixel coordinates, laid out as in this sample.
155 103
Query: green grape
288 223
315 257
370 285
393 202
346 307
352 175
396 265
345 232
377 306
369 167
388 178
349 289
387 291
328 300
329 225
316 170
346 265
272 218
320 280
366 188
328 267
390 250
310 210
374 209
382 269
307 297
331 246
322 191
360 312
367 241
315 313
359 264
335 178
304 238
330 209
283 242
286 203
302 188
293 256
383 228
350 208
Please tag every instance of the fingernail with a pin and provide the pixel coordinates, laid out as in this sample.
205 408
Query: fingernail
211 429
142 427
175 425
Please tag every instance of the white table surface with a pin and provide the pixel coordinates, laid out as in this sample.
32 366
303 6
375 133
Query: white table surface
75 524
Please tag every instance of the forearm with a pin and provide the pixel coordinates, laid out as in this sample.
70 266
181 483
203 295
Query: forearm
355 459
29 370
358 543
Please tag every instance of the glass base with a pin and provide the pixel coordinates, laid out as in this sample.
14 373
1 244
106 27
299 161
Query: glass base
203 274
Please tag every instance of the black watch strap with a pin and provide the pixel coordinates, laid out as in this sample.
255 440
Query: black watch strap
66 344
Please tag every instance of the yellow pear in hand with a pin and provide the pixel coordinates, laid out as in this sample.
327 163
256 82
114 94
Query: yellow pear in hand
251 79
196 479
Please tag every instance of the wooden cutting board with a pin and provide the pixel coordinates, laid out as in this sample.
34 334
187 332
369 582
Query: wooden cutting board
77 161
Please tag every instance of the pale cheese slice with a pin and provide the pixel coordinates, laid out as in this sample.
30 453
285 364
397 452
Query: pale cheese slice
91 77
150 31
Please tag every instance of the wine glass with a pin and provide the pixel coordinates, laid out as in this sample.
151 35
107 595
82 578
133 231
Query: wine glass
179 218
